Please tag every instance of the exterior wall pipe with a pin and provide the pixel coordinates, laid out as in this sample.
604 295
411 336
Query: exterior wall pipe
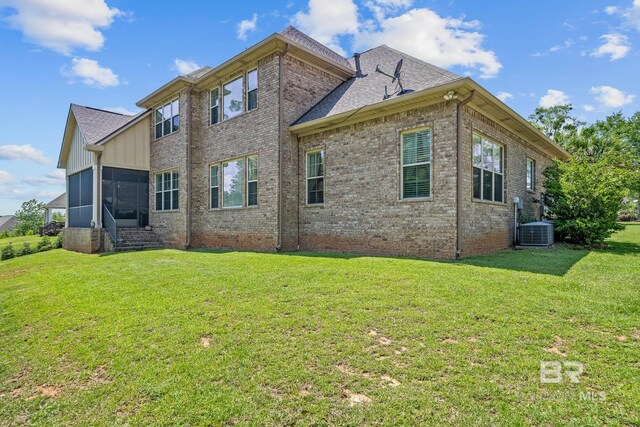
281 135
459 172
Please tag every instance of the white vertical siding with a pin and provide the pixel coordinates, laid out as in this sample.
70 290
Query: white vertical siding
79 158
131 148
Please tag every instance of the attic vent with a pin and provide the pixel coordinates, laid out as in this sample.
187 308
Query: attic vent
397 76
536 234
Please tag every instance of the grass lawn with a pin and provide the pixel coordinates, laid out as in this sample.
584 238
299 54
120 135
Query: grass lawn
208 338
17 242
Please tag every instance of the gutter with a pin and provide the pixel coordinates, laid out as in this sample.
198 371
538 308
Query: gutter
459 171
280 143
188 148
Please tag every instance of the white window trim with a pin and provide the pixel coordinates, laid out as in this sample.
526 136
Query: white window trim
243 205
246 91
161 107
482 168
211 165
402 165
307 177
246 167
171 171
531 162
219 106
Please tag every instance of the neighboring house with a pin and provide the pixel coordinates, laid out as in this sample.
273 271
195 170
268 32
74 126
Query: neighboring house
289 146
8 223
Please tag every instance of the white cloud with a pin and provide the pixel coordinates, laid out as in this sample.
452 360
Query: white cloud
381 8
327 20
122 110
615 45
61 25
504 96
631 14
91 73
6 178
185 66
22 152
246 25
588 107
610 97
57 177
444 42
556 48
554 97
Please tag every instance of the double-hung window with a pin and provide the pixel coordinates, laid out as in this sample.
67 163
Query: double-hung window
252 181
215 186
416 164
232 98
215 106
232 183
531 175
488 170
167 191
315 177
167 119
252 90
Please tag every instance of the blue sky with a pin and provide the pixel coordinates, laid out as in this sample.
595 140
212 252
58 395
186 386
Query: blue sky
110 54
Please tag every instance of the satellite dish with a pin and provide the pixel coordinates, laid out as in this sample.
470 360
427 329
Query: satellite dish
396 74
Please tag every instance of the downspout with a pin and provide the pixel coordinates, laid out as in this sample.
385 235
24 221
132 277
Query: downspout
189 139
280 143
459 171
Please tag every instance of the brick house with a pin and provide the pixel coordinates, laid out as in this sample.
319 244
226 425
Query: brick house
290 146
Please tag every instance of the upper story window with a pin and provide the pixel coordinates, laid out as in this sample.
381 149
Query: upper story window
215 106
232 104
416 164
488 169
237 96
531 175
315 177
167 119
252 90
167 191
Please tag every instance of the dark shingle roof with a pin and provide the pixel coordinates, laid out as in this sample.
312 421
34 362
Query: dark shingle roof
95 124
59 202
8 222
304 40
368 86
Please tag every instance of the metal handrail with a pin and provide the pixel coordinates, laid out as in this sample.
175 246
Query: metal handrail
110 224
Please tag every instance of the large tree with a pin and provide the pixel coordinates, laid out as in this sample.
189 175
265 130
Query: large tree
556 122
30 217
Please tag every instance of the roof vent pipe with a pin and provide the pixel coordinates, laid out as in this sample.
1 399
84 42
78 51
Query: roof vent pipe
356 58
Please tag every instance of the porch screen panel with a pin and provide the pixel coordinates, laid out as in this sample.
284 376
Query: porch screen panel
81 199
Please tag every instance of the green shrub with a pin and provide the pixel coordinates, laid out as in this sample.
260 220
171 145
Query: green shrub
29 233
57 242
4 234
584 199
44 244
7 252
24 250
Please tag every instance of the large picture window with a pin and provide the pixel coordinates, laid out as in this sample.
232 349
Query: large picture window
215 186
252 181
315 177
531 175
232 183
167 119
167 191
488 170
416 164
232 104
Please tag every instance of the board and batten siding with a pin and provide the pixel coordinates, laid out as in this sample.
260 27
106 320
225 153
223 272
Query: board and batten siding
79 158
131 148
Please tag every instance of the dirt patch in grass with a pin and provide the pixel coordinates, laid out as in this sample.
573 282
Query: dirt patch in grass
558 347
46 390
205 341
355 398
449 341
